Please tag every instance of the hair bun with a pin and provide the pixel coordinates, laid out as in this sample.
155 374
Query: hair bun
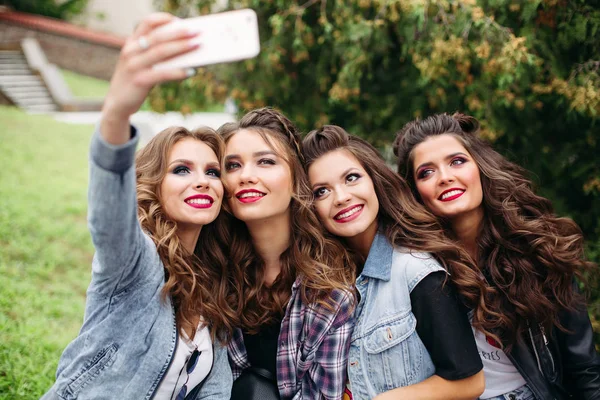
467 123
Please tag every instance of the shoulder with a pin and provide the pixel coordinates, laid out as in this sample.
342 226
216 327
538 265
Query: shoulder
413 265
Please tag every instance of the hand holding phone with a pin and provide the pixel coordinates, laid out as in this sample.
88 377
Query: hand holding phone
223 37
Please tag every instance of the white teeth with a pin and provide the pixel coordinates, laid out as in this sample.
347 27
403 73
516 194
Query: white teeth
251 194
198 201
349 213
451 193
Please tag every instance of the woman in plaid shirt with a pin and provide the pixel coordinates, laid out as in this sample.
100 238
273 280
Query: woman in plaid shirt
290 285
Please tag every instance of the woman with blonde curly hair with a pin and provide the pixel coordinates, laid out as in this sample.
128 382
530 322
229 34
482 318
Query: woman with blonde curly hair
290 285
412 338
539 342
152 314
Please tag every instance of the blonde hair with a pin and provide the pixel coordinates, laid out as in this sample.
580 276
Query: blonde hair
195 282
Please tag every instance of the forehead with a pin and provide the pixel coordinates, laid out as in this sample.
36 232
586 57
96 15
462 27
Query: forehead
330 166
247 141
192 149
436 148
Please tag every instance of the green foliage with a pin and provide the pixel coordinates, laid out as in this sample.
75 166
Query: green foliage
529 70
45 248
51 8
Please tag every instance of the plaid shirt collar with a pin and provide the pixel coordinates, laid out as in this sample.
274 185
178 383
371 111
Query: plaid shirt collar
328 332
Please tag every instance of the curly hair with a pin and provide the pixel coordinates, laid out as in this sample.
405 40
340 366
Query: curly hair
320 261
529 256
195 282
404 221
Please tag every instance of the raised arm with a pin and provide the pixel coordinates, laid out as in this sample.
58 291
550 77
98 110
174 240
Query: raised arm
112 201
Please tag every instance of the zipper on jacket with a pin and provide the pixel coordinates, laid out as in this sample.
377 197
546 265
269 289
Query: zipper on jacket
549 351
537 357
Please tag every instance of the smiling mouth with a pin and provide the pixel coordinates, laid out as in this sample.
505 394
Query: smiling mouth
200 202
250 197
451 195
348 214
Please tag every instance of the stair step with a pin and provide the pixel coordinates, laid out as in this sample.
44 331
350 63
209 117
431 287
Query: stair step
42 108
29 96
32 102
27 89
13 79
15 71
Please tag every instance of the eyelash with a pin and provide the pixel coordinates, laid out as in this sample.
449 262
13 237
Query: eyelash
355 175
179 169
421 174
263 161
183 169
316 192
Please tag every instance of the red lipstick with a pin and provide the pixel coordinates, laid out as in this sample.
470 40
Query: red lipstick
357 211
200 201
255 195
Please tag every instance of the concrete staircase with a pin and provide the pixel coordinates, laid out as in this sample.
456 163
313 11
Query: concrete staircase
21 85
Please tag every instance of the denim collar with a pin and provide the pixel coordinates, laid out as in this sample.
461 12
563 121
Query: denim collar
379 261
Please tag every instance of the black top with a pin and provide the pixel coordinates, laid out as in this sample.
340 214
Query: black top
444 328
262 347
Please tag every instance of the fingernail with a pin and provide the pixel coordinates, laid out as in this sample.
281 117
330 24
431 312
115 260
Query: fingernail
189 72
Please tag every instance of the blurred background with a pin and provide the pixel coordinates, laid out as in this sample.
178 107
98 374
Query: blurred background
529 70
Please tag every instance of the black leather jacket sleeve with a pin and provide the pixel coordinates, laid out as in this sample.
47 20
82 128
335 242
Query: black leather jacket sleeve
580 362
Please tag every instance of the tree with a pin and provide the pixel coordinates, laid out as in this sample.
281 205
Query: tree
50 8
528 70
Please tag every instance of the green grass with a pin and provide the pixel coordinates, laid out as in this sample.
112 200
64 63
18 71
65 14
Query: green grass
45 248
84 86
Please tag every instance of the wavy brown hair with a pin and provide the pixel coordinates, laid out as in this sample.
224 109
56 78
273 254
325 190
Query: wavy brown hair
320 261
404 221
529 256
195 282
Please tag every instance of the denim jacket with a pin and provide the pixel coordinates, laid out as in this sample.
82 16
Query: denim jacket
128 337
386 351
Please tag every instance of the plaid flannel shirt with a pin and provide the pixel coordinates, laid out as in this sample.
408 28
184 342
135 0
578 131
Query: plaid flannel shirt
313 348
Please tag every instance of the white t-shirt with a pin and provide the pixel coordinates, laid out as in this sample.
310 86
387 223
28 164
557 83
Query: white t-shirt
176 374
501 376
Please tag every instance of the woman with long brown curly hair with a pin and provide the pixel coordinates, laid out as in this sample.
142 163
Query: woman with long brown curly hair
412 337
290 285
152 310
543 346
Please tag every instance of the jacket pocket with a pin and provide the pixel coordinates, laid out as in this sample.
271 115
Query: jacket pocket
394 354
102 360
387 336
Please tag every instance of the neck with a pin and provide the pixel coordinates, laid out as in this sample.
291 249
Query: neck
270 239
363 241
466 228
189 237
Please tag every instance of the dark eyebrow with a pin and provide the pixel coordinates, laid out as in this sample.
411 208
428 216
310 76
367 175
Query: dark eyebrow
181 161
256 154
445 158
188 162
342 175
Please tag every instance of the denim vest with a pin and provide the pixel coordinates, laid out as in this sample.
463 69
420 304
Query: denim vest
128 337
386 351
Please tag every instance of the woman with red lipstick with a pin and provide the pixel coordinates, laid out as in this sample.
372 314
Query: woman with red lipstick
539 342
412 338
153 313
290 285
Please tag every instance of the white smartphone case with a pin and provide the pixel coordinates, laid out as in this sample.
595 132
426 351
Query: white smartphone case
224 37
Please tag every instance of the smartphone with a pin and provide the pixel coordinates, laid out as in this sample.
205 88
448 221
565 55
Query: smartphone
224 37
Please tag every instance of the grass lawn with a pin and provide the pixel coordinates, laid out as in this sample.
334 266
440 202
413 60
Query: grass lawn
84 86
45 248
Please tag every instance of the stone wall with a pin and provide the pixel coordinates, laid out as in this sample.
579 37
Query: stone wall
68 46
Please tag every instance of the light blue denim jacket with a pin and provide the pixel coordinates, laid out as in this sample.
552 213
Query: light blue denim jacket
128 337
386 351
